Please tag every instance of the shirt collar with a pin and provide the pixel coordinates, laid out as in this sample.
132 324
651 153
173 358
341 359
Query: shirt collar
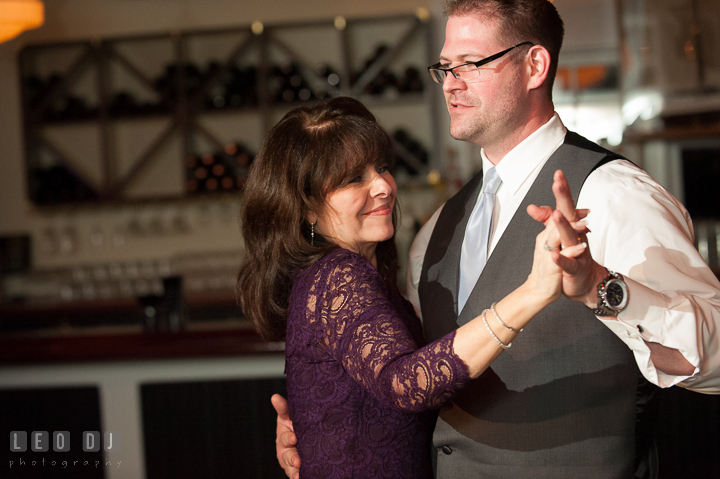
531 153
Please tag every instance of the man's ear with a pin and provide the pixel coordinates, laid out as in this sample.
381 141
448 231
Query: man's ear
538 66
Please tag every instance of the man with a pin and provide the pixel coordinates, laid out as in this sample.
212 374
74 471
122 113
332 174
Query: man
567 399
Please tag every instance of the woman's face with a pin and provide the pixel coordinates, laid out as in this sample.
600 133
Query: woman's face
358 215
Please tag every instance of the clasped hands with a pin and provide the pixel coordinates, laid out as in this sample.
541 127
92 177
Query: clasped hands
567 230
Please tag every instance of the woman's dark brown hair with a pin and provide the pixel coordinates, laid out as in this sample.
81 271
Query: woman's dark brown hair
308 154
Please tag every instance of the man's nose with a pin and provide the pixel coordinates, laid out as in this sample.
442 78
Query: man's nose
451 83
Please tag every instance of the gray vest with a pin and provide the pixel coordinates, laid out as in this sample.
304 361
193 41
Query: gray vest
561 402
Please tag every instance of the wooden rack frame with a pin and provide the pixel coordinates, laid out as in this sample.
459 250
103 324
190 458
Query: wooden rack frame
184 107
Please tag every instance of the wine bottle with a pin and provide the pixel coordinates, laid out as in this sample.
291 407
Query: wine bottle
410 82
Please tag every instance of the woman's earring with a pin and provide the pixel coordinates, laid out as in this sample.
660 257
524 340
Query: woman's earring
312 234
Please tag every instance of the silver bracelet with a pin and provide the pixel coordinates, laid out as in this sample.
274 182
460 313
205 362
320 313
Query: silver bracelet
502 345
497 316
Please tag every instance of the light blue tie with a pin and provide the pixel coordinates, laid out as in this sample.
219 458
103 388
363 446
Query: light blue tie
473 254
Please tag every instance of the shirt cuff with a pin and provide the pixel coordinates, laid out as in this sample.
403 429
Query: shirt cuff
647 318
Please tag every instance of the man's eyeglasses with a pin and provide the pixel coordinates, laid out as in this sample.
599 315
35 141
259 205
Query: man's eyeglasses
470 71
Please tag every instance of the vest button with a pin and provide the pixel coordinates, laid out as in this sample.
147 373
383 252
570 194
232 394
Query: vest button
447 450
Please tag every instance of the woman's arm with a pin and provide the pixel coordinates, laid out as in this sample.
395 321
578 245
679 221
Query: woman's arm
367 335
478 342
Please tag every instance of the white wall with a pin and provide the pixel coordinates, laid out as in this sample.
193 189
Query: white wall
82 19
590 27
213 224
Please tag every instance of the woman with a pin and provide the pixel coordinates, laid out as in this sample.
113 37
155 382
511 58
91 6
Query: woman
319 271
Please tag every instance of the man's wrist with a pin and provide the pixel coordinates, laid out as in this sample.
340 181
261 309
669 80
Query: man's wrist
590 299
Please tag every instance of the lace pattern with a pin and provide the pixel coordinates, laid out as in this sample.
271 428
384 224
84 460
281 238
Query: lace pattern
361 388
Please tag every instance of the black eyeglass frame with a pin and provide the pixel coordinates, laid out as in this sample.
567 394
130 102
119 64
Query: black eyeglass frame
477 64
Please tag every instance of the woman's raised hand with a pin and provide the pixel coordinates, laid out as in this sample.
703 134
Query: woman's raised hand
546 277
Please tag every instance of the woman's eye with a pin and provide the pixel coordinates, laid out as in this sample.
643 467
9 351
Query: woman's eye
383 169
356 179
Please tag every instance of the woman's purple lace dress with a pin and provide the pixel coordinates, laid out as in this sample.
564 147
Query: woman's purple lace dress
361 393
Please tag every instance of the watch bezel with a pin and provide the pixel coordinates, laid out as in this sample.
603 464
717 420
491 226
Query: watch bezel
623 287
604 308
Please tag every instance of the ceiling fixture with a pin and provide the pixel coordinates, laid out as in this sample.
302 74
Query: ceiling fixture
16 16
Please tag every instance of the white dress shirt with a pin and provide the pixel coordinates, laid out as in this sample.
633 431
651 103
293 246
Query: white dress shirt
639 230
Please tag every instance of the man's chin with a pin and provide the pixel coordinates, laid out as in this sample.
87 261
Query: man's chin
459 134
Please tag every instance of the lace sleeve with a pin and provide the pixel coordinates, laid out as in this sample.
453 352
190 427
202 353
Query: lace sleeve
366 332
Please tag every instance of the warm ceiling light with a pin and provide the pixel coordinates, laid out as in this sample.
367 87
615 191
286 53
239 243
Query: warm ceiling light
16 16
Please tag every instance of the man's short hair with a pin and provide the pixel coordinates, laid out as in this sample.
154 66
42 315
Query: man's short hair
520 21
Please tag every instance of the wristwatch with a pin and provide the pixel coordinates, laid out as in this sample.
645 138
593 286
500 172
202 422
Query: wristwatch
612 295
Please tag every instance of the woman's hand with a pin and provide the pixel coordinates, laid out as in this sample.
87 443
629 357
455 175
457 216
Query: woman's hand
560 244
545 282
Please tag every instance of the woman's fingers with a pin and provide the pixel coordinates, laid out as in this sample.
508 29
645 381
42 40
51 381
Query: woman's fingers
574 251
569 236
551 240
539 213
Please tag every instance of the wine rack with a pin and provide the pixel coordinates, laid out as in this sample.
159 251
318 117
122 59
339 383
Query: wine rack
184 113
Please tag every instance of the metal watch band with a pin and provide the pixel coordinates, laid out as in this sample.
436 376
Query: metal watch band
603 309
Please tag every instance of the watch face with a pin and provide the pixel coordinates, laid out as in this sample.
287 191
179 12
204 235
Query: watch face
615 294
